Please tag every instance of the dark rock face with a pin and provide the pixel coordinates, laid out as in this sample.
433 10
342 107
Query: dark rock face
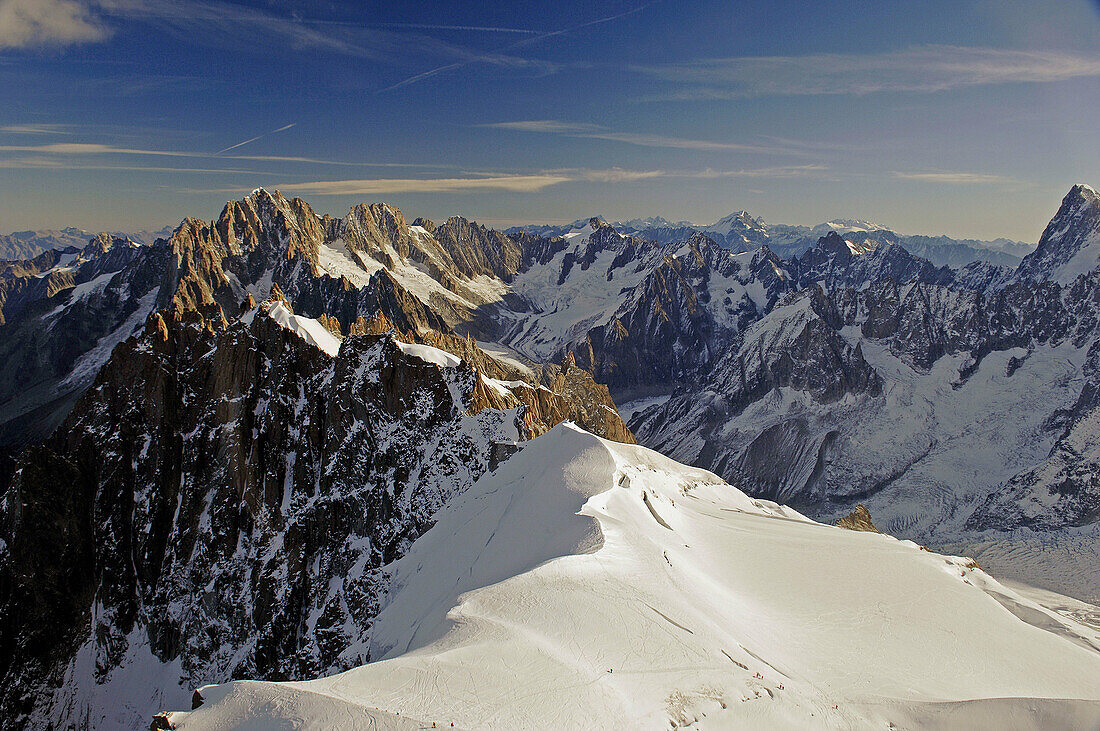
804 353
236 495
802 349
833 263
795 347
477 250
677 321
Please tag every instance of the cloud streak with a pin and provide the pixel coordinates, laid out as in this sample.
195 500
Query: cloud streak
234 26
923 69
82 149
33 129
521 183
26 24
40 163
957 178
596 132
513 183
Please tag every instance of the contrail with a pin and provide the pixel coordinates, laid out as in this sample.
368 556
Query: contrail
525 42
426 26
257 137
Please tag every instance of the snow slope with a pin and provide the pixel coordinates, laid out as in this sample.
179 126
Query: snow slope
310 330
591 584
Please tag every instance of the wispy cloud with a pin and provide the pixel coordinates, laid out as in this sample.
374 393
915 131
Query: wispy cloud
778 171
494 57
957 178
34 129
90 148
514 183
520 183
257 137
549 126
84 149
243 27
45 163
48 23
240 28
617 175
596 132
917 69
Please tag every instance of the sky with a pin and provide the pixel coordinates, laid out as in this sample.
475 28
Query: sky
966 118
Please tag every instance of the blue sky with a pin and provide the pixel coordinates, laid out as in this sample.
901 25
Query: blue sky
967 118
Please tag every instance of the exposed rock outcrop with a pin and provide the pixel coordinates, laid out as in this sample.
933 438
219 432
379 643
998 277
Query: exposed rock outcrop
858 520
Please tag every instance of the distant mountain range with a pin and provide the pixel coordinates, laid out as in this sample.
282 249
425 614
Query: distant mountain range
28 244
740 231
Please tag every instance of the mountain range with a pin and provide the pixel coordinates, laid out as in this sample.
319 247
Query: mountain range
740 231
277 445
29 244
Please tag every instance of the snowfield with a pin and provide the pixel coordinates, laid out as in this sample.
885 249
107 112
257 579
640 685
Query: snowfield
591 584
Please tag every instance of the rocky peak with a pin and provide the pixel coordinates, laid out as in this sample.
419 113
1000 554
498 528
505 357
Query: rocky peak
269 220
738 221
1070 245
390 220
832 243
102 243
475 250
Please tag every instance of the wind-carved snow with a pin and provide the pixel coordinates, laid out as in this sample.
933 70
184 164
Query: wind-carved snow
588 584
307 328
429 354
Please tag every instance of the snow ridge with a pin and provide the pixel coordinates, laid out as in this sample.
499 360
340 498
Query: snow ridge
586 583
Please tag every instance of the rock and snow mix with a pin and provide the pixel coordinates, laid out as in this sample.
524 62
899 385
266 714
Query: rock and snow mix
262 487
586 583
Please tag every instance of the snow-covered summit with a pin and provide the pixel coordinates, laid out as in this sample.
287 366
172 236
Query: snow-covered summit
846 226
1070 245
591 584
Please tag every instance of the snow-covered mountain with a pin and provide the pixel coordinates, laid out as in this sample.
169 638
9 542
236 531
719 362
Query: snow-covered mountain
263 413
589 584
1070 245
62 313
980 404
740 231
